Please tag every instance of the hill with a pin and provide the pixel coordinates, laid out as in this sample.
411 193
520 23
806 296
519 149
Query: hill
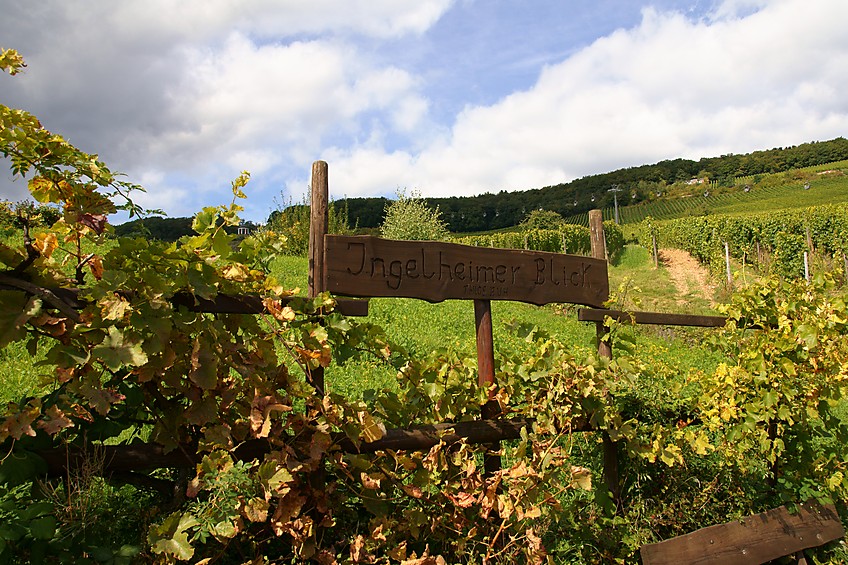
646 183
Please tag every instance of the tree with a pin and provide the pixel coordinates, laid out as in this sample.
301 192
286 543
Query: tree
542 220
409 217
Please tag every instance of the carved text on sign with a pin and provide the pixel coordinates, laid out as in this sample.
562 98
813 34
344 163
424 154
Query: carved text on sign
435 271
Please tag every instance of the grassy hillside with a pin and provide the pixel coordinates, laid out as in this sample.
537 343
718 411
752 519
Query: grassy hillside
800 188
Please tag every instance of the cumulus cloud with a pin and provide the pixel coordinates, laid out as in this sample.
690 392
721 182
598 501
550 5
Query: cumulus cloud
750 75
203 89
184 95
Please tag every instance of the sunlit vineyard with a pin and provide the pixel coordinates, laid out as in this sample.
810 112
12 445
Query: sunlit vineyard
800 188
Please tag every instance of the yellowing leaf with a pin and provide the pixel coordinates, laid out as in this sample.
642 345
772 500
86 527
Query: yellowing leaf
204 365
372 481
702 444
19 423
44 190
46 243
463 499
581 477
117 350
260 413
239 183
171 537
357 549
276 309
371 429
671 454
256 510
413 490
236 272
114 307
56 421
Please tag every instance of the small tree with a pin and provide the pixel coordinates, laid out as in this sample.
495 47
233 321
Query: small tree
410 218
542 220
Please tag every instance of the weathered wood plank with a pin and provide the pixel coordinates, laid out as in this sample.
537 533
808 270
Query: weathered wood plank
752 541
434 271
656 318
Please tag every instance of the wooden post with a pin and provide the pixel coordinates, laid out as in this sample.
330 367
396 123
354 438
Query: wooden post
596 235
486 374
596 232
318 221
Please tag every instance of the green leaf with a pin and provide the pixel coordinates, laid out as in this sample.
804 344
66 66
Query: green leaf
809 334
769 399
43 528
65 356
224 529
20 467
116 350
205 220
171 537
204 365
15 309
37 510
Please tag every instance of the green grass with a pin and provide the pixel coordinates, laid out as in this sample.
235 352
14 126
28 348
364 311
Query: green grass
830 190
421 327
777 192
19 376
655 290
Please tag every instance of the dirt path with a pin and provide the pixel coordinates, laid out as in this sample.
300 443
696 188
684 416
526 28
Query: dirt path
689 277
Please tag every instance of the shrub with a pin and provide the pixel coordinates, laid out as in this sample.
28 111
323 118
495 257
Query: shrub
410 218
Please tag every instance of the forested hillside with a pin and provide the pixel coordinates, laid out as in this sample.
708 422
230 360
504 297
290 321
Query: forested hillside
638 184
493 211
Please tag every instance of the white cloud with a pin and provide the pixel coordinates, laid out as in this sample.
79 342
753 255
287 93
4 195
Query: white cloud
752 75
199 90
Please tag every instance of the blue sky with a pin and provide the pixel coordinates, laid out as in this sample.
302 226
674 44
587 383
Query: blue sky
446 97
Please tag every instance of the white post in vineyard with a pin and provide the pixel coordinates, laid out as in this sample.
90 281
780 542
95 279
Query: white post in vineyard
806 266
727 263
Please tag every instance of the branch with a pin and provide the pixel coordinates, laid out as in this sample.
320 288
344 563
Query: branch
137 457
44 293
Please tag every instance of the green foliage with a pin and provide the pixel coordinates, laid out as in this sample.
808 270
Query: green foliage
163 229
780 236
663 183
132 369
542 220
779 398
568 239
409 217
291 222
614 239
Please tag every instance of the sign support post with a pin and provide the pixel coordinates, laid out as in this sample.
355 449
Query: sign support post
486 374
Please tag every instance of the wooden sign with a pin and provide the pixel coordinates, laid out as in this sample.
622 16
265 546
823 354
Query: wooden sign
435 271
